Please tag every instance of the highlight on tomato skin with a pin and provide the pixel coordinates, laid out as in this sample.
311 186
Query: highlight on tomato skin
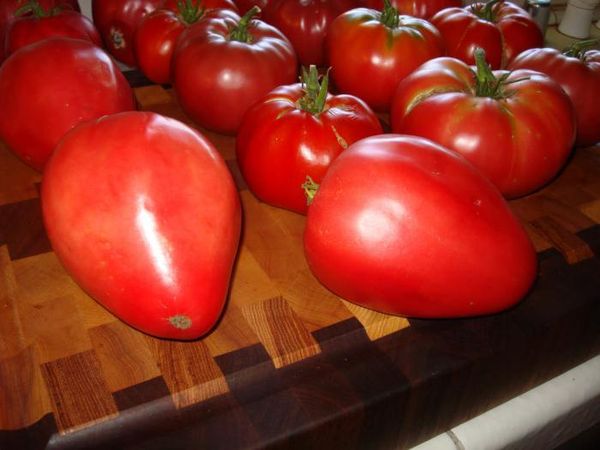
404 226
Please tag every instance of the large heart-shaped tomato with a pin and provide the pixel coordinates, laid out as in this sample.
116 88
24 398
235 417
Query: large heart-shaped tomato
404 226
144 214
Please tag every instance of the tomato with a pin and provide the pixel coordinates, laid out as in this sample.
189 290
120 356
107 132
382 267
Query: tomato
502 28
577 70
404 226
297 131
43 24
385 48
305 24
8 9
157 33
517 127
416 8
245 5
222 65
157 221
52 85
117 20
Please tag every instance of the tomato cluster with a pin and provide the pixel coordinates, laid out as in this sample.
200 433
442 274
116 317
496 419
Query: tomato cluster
400 128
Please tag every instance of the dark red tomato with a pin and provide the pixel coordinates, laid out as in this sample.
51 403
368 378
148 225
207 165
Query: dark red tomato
52 85
116 20
305 23
245 5
403 226
222 65
371 51
503 29
416 8
44 24
158 221
295 132
517 127
577 70
8 8
157 34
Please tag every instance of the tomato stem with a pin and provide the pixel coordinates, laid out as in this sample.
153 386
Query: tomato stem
310 189
190 12
486 11
315 92
579 48
34 8
240 32
390 16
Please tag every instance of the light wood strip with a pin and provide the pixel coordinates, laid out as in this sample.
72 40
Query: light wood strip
232 333
377 325
592 210
570 245
13 340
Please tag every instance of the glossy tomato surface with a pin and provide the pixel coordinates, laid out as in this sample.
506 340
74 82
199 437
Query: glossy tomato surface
502 28
66 23
519 135
280 143
579 76
116 20
416 8
144 215
385 48
403 226
52 85
217 77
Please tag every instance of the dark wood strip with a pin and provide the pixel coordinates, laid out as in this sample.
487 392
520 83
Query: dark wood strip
22 229
34 437
142 393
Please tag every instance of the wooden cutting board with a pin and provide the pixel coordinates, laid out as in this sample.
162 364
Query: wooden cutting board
73 374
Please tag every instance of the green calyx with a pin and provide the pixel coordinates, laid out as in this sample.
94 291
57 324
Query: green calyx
486 83
190 11
34 8
240 32
390 16
315 92
486 11
579 48
310 189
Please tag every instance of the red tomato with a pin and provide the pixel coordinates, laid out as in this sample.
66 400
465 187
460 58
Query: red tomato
158 221
403 226
503 29
517 127
416 8
297 131
305 24
157 33
385 48
578 72
245 5
28 29
117 20
8 8
52 85
224 64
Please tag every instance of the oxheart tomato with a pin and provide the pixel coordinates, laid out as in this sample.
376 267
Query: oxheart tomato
517 127
52 85
42 24
157 34
295 132
371 51
416 8
403 226
577 70
305 24
223 64
144 215
502 28
116 20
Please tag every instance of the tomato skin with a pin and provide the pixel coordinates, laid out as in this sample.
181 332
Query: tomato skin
29 29
156 36
279 144
116 20
378 53
154 245
52 85
217 79
423 9
519 142
403 226
579 78
305 23
510 31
